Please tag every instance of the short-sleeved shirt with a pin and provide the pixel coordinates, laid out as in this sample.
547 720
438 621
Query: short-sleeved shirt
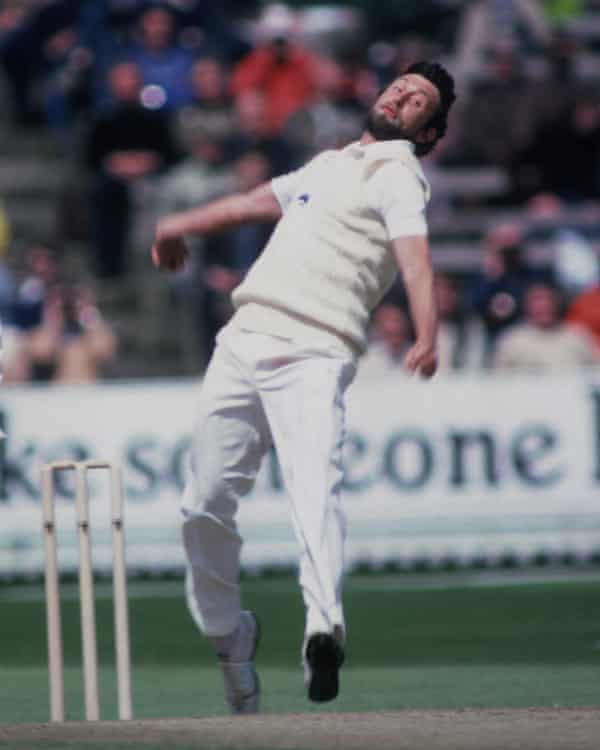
340 210
393 191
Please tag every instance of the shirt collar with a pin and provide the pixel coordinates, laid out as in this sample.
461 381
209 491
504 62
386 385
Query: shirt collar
380 148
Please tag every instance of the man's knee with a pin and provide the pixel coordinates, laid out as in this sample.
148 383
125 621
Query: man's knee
217 498
211 545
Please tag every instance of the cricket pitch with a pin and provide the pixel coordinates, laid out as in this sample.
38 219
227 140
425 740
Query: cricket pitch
469 729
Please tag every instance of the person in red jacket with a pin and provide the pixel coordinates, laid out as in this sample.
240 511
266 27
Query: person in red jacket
584 311
283 72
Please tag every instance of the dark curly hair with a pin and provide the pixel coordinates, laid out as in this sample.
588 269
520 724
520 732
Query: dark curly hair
444 83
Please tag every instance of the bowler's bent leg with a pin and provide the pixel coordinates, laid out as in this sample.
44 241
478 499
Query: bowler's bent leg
230 438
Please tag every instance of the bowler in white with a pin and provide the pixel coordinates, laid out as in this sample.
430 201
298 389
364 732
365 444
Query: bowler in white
347 222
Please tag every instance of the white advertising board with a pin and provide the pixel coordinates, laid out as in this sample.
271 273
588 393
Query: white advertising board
457 469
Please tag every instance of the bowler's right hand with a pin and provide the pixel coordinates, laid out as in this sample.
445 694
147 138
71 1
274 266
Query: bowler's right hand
168 251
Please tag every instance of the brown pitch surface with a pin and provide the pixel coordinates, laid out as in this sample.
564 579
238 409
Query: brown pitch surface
469 729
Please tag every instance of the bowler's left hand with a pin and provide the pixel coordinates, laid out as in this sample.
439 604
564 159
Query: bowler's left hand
421 358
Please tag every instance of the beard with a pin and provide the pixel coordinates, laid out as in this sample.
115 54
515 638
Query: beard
383 130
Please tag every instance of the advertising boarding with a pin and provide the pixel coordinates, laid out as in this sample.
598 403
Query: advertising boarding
456 470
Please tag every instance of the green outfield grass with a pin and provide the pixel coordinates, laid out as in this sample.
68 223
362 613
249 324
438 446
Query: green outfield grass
413 645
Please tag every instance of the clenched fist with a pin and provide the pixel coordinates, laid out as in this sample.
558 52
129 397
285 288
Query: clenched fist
168 251
422 359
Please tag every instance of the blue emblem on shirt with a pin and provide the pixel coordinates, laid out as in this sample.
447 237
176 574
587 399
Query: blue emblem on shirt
304 198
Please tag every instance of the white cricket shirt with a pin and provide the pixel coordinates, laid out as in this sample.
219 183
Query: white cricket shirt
329 261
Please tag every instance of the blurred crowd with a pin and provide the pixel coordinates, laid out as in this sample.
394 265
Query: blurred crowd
54 331
182 101
505 317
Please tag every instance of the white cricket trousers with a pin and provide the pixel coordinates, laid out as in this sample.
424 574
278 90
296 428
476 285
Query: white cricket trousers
259 390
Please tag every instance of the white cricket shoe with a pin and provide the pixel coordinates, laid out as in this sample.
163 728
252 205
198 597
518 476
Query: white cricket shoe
242 687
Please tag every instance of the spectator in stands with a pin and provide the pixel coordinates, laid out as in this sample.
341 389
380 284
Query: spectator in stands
205 173
247 241
561 80
252 133
208 26
497 290
500 113
9 336
563 156
584 313
461 335
561 53
359 85
14 19
210 96
104 29
125 143
389 62
34 40
6 277
73 343
217 263
163 63
78 84
23 310
282 71
15 363
229 254
543 341
522 23
38 274
327 121
390 339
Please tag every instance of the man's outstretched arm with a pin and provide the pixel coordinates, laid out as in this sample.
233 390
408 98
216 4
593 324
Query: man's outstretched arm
414 260
169 250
